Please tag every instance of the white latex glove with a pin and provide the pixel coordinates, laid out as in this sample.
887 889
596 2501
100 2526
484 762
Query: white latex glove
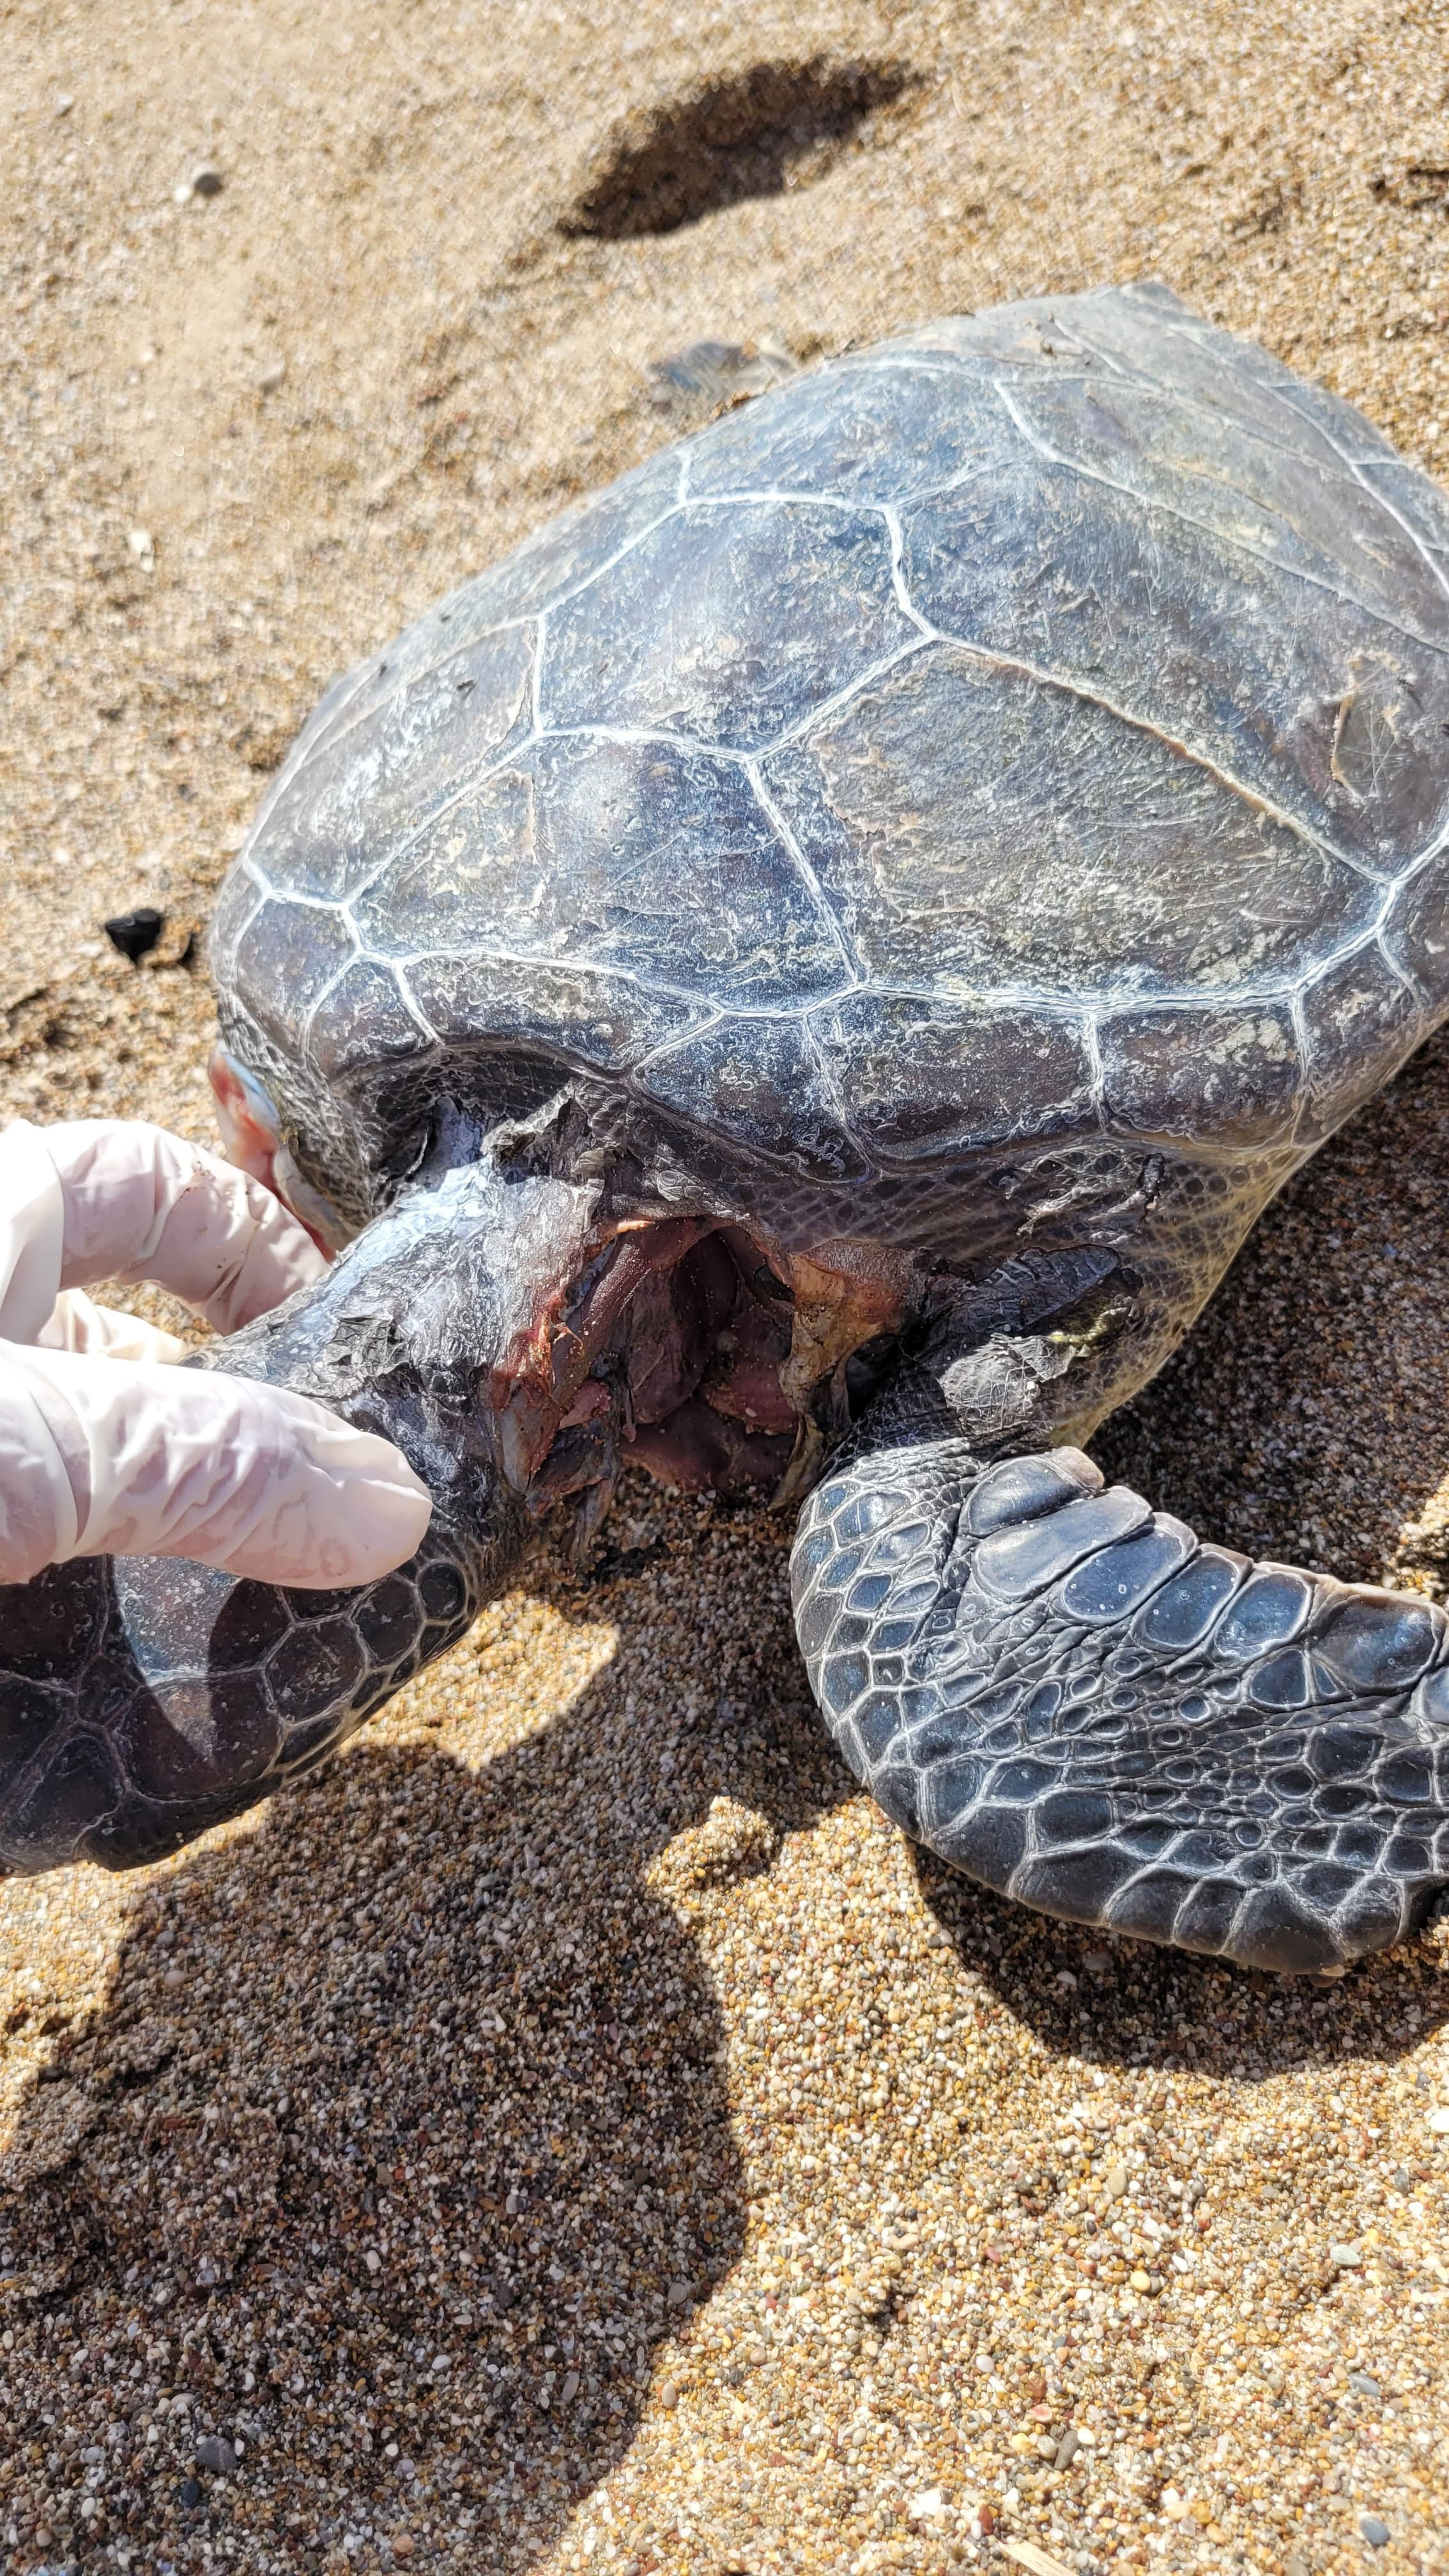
105 1448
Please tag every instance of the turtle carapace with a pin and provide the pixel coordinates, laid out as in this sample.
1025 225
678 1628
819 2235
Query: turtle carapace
802 977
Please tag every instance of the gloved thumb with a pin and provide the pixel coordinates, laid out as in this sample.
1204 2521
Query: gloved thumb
107 1457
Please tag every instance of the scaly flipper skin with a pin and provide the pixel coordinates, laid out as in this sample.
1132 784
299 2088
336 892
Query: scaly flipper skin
1064 1694
143 1699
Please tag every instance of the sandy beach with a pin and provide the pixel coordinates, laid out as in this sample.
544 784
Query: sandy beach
575 2130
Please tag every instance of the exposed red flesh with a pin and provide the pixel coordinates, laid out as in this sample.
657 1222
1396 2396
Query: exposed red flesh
683 1346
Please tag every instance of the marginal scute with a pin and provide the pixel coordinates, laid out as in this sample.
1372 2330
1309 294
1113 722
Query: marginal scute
1360 1020
313 1667
284 960
928 1080
69 1800
442 1591
389 1621
28 1712
1218 1076
758 1085
1416 931
867 433
362 1021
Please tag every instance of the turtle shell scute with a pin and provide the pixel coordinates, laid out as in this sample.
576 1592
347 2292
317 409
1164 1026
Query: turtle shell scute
1037 724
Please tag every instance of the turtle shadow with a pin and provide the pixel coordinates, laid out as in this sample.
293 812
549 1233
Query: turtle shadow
400 2144
1157 2011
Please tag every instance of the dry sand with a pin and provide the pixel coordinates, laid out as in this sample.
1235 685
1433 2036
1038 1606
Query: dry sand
575 2131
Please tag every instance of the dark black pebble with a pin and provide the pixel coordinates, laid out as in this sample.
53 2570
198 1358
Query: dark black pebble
136 933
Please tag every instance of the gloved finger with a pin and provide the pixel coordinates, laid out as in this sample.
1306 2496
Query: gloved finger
138 1203
76 1323
103 1457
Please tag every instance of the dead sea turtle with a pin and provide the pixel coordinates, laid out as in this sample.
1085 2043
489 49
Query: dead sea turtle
803 976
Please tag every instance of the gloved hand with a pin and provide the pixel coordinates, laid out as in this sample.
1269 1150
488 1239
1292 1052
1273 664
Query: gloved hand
108 1450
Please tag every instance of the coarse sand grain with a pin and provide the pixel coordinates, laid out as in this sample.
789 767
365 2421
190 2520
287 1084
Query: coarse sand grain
574 2130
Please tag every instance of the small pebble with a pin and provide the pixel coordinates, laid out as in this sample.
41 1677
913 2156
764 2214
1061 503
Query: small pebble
205 181
1376 2533
215 2453
135 934
189 2492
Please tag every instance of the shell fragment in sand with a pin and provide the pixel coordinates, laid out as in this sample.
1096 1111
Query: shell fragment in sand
1040 2562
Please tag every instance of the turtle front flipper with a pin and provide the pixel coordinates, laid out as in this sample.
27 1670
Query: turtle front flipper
143 1699
1064 1694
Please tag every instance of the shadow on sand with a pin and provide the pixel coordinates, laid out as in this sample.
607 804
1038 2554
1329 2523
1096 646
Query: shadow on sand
402 2123
401 2142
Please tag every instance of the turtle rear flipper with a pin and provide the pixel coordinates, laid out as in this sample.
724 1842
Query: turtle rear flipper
1063 1693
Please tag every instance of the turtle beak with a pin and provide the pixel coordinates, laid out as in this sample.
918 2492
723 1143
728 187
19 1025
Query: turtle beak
251 1135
